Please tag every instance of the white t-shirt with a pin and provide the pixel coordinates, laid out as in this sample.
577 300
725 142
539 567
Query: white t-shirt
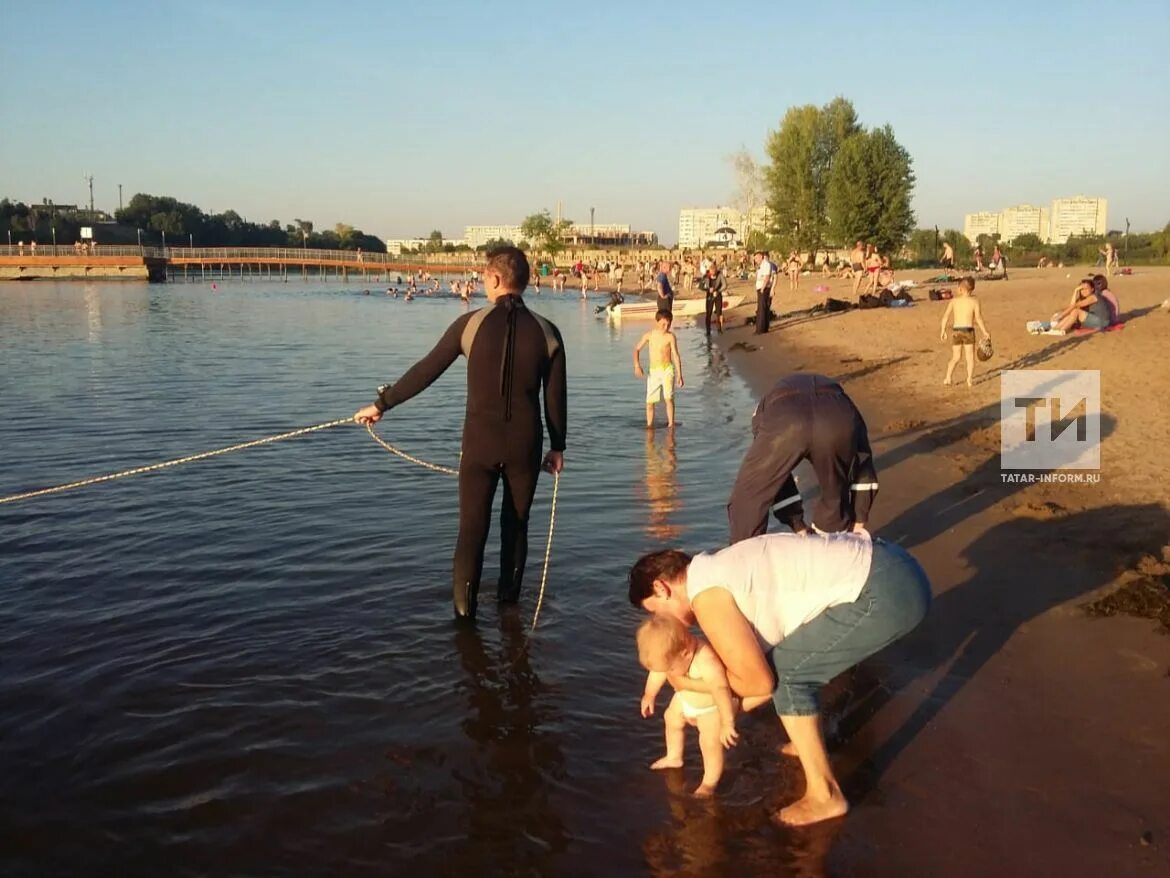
780 581
764 273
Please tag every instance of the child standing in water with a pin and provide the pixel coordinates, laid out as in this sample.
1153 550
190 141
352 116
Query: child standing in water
665 646
665 366
966 313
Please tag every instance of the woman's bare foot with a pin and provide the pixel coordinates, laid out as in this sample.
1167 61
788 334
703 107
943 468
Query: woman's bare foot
811 810
704 791
947 382
667 762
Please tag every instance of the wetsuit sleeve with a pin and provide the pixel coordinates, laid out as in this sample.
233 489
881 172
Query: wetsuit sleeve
556 413
426 371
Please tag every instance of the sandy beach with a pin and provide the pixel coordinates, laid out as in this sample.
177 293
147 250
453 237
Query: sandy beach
1016 731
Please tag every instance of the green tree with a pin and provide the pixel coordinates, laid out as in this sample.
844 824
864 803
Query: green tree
987 242
922 246
869 192
495 242
802 153
543 232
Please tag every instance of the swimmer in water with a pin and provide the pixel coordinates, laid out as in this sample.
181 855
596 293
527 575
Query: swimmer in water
666 647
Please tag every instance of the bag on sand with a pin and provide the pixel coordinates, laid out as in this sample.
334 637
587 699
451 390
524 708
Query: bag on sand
868 301
984 351
939 294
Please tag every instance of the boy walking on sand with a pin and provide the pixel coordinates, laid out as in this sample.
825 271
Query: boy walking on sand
665 366
964 308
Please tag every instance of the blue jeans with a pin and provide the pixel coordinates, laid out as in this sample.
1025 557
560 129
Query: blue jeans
893 601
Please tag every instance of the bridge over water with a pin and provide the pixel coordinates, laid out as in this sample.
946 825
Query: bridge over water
206 263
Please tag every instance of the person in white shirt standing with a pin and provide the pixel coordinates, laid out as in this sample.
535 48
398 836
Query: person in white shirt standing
765 277
786 613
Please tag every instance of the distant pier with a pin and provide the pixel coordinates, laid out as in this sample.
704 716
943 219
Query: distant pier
160 264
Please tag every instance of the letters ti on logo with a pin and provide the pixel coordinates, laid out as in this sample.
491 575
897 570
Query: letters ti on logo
1050 419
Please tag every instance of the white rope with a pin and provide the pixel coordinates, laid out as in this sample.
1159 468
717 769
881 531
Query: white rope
552 514
431 466
28 495
292 434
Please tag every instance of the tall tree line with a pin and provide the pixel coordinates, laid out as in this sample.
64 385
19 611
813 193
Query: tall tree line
159 215
831 181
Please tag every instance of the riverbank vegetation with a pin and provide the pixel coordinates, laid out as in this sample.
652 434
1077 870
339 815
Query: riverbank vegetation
153 219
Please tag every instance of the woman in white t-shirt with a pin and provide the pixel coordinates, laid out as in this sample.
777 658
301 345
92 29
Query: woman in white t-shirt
786 613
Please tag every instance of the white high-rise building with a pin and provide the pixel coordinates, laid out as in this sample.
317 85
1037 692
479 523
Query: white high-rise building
477 236
986 222
1023 219
1078 215
699 226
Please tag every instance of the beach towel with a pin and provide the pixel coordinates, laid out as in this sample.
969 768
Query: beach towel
1112 327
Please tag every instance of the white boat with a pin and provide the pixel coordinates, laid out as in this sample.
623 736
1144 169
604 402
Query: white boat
647 308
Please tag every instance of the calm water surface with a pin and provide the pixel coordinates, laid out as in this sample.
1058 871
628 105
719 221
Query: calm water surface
247 664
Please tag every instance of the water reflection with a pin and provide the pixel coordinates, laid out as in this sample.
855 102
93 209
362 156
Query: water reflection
93 312
731 837
718 370
661 485
510 818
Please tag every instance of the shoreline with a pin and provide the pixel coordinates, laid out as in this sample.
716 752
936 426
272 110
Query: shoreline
1011 710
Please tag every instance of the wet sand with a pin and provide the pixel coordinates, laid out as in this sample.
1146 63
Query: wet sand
1014 732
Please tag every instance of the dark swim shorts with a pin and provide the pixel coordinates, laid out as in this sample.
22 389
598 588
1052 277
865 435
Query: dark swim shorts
962 335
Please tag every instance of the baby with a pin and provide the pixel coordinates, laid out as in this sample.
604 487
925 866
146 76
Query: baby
665 646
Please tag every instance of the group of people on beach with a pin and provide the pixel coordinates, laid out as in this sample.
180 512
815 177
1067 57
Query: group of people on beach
781 613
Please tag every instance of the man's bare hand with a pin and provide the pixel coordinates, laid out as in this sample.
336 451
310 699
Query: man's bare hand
554 462
367 415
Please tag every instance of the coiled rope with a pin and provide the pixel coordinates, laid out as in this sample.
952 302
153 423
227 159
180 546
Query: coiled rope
292 434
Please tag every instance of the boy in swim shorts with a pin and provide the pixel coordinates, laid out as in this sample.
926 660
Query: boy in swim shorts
966 314
666 647
665 367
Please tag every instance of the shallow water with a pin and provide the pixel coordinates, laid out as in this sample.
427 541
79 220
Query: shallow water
247 664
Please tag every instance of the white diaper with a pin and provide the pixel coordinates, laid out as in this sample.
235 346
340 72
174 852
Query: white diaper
691 712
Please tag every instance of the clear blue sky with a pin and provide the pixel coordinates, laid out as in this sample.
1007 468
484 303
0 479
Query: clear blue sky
404 117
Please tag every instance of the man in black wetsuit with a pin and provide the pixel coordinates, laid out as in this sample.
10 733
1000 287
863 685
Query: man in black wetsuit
511 355
805 416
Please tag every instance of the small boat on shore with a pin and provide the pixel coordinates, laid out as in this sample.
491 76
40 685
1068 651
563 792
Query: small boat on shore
647 308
